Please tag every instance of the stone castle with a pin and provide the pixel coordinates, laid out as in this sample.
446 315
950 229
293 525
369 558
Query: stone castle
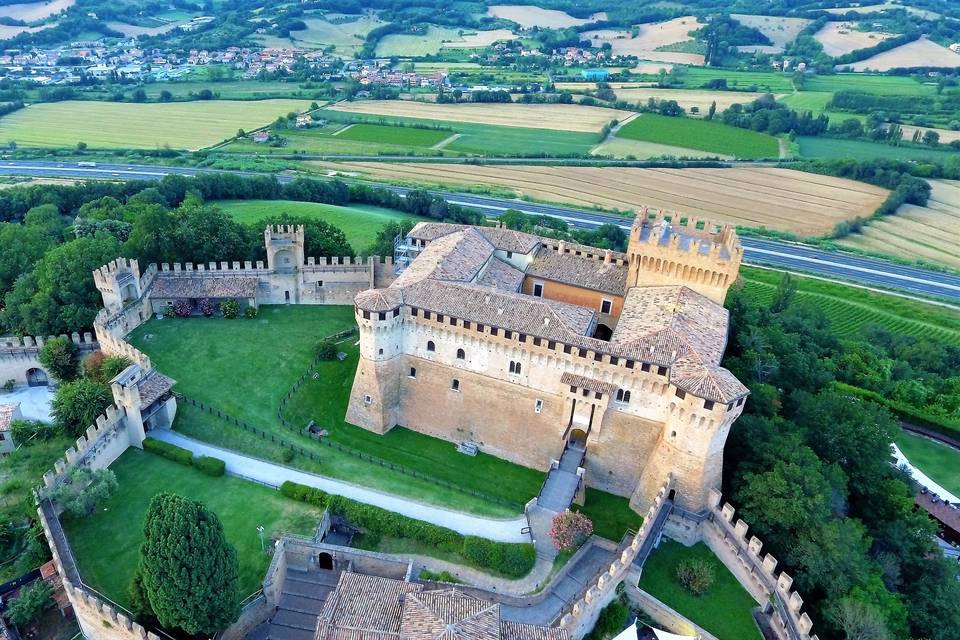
524 346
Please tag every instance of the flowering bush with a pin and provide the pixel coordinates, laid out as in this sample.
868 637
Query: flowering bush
570 530
168 310
182 308
207 307
250 312
230 308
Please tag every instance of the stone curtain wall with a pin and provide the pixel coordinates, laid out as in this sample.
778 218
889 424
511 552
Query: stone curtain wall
586 608
728 540
18 355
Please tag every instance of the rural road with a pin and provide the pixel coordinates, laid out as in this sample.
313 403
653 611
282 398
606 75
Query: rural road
869 272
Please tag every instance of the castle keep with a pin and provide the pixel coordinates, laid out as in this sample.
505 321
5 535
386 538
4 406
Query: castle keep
525 346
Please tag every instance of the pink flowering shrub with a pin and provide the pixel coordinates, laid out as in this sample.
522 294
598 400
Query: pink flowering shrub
183 308
207 307
570 530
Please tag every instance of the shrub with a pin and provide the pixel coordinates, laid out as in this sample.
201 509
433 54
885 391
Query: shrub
570 530
250 312
210 465
695 575
326 349
9 385
59 357
78 403
207 307
286 455
230 308
103 368
80 491
441 576
183 308
169 451
511 559
28 432
611 621
31 602
168 310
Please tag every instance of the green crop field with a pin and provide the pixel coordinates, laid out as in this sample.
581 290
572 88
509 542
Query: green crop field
850 309
233 89
180 125
117 524
937 460
360 223
724 610
819 147
765 81
411 45
882 85
701 134
411 136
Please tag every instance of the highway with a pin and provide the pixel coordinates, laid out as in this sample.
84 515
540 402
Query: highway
868 272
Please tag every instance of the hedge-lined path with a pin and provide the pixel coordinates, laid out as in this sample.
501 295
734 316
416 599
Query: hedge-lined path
274 475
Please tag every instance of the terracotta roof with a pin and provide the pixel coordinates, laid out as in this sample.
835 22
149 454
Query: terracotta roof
500 275
220 286
7 411
458 256
379 299
500 238
370 604
580 271
583 382
944 512
153 387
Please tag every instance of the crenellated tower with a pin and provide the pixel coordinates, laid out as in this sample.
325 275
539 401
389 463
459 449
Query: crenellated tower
118 282
284 245
705 259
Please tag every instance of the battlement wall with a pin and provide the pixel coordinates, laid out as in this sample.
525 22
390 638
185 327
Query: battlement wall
715 232
16 344
114 344
97 448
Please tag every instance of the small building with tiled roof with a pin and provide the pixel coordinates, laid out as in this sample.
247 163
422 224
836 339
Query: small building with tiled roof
9 413
523 344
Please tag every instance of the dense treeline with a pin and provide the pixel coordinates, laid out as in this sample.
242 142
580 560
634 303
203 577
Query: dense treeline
767 115
810 469
56 235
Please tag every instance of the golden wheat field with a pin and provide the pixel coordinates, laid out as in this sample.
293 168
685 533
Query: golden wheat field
919 53
650 38
528 16
781 31
931 233
839 38
688 98
802 203
560 117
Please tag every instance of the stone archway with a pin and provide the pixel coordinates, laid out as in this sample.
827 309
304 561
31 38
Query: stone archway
603 332
325 561
578 438
37 378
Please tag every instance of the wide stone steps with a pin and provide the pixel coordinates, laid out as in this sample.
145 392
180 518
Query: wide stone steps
295 619
312 606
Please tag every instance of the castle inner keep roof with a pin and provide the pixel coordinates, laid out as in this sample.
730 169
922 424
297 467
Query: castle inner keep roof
501 275
664 232
374 608
458 256
501 239
579 271
214 286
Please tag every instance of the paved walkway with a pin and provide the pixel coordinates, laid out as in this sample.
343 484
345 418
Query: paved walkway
274 475
562 482
922 478
34 402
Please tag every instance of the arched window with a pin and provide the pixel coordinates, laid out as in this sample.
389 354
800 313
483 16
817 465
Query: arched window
430 346
623 396
461 354
517 369
514 367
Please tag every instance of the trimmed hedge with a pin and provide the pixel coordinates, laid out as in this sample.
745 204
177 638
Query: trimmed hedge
906 412
170 451
510 559
210 465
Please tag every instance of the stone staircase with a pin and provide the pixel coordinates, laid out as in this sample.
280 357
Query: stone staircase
562 482
304 594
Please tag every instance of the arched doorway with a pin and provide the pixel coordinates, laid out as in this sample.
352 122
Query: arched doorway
603 332
578 438
672 494
37 378
325 561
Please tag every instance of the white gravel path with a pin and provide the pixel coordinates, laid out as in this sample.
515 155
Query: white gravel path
275 474
923 478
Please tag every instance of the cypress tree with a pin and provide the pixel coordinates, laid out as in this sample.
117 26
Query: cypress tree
188 571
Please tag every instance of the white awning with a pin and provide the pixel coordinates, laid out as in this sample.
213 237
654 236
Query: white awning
630 633
666 635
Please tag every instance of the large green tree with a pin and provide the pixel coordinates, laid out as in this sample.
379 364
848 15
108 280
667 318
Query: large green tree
61 357
188 571
77 405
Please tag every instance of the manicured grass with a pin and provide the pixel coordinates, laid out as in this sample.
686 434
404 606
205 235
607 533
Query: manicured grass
245 368
107 543
701 134
395 135
850 309
724 610
939 461
181 125
360 223
818 147
611 515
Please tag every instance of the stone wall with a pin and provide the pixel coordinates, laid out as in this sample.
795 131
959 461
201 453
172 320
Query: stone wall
19 355
665 616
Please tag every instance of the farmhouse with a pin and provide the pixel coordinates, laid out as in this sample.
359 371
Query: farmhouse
528 347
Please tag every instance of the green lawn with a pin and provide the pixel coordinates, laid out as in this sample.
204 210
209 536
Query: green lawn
939 461
245 368
611 515
701 134
412 136
724 610
107 543
850 309
819 147
360 223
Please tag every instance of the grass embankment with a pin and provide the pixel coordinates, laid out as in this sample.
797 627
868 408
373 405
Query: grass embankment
246 367
611 515
939 461
850 309
705 135
724 610
107 543
360 223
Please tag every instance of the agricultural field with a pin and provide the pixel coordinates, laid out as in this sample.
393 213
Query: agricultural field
781 31
32 11
479 39
705 135
946 135
802 203
416 45
190 125
528 16
651 40
562 117
360 223
867 83
403 136
233 89
764 81
688 98
851 309
839 38
927 233
819 147
9 31
919 53
638 149
873 8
